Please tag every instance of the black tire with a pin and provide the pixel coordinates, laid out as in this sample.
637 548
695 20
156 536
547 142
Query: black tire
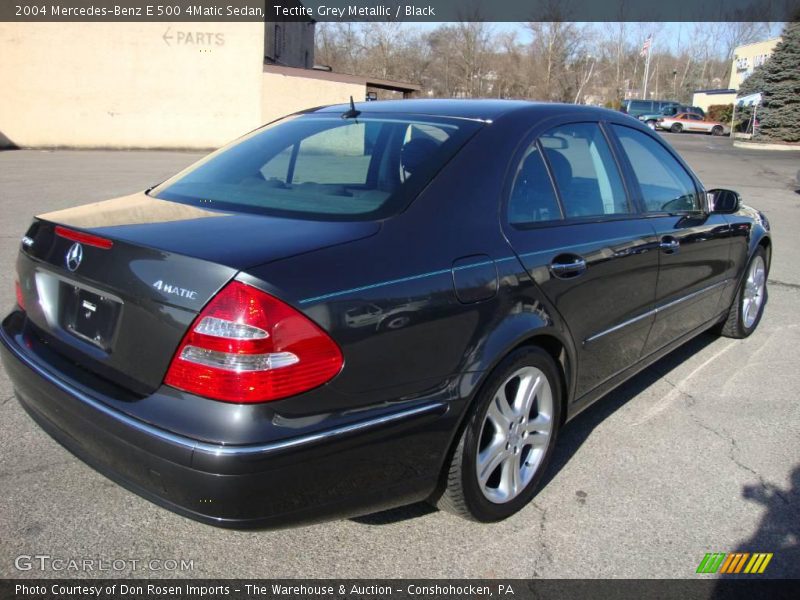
717 130
676 128
462 493
734 325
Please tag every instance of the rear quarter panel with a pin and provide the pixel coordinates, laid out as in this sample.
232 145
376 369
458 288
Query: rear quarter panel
406 269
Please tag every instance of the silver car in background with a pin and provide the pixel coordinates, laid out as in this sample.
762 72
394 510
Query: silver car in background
691 122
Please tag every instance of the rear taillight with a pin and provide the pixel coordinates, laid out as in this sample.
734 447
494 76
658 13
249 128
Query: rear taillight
248 346
20 298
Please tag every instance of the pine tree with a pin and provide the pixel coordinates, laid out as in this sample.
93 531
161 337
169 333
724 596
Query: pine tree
778 80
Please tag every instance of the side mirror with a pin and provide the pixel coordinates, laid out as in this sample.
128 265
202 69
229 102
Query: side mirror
724 202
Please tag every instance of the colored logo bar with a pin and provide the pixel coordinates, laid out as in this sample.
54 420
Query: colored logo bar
734 562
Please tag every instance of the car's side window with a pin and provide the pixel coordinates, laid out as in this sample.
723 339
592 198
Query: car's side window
665 184
532 198
585 172
419 142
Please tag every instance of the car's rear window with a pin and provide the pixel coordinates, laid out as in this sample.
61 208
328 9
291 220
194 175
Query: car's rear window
323 166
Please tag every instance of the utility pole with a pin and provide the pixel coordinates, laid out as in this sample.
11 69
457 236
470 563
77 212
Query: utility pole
646 52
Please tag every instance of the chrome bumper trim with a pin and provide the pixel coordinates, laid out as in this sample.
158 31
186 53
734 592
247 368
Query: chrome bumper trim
217 449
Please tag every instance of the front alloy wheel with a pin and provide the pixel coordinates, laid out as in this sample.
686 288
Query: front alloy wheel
748 306
755 287
508 439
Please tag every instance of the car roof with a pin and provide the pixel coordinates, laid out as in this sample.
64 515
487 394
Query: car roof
484 110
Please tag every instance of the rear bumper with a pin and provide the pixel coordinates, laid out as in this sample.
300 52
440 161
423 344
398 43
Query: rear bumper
378 460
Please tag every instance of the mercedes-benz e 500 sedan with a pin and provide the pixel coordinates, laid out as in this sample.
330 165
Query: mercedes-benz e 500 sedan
368 305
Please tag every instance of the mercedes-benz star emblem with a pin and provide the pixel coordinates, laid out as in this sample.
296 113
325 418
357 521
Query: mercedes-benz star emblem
74 256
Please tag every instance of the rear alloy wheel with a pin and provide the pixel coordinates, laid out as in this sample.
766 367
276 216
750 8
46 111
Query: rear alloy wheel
748 306
716 130
508 440
676 128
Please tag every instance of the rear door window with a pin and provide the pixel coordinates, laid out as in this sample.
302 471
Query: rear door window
532 198
585 172
664 183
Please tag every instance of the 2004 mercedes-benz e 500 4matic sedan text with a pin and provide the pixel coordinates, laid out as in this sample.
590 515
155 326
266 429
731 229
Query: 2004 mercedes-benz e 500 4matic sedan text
363 306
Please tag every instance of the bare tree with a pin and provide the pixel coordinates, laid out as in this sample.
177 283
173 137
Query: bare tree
554 46
471 51
340 46
509 64
564 61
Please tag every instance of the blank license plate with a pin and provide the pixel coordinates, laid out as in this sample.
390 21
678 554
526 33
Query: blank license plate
89 316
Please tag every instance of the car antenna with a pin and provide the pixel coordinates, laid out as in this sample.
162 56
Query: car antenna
352 113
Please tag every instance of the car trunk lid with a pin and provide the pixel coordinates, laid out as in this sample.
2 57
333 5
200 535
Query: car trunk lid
115 285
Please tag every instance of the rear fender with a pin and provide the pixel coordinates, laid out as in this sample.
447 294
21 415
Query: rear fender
515 331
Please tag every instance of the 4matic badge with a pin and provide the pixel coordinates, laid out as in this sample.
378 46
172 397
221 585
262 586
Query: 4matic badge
174 290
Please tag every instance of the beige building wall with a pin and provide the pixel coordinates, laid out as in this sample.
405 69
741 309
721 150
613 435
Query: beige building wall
746 58
170 85
149 85
284 94
704 100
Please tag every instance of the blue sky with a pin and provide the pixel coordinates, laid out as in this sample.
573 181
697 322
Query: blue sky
667 36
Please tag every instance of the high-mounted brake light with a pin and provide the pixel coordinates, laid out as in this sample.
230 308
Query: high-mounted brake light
84 238
248 346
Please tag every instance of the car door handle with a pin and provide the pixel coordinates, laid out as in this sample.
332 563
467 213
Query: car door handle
669 245
566 267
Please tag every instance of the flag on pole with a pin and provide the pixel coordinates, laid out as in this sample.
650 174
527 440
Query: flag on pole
646 45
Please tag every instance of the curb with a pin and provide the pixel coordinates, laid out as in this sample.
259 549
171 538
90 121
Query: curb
760 146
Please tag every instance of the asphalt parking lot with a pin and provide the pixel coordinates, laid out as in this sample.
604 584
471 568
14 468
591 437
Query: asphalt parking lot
697 454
